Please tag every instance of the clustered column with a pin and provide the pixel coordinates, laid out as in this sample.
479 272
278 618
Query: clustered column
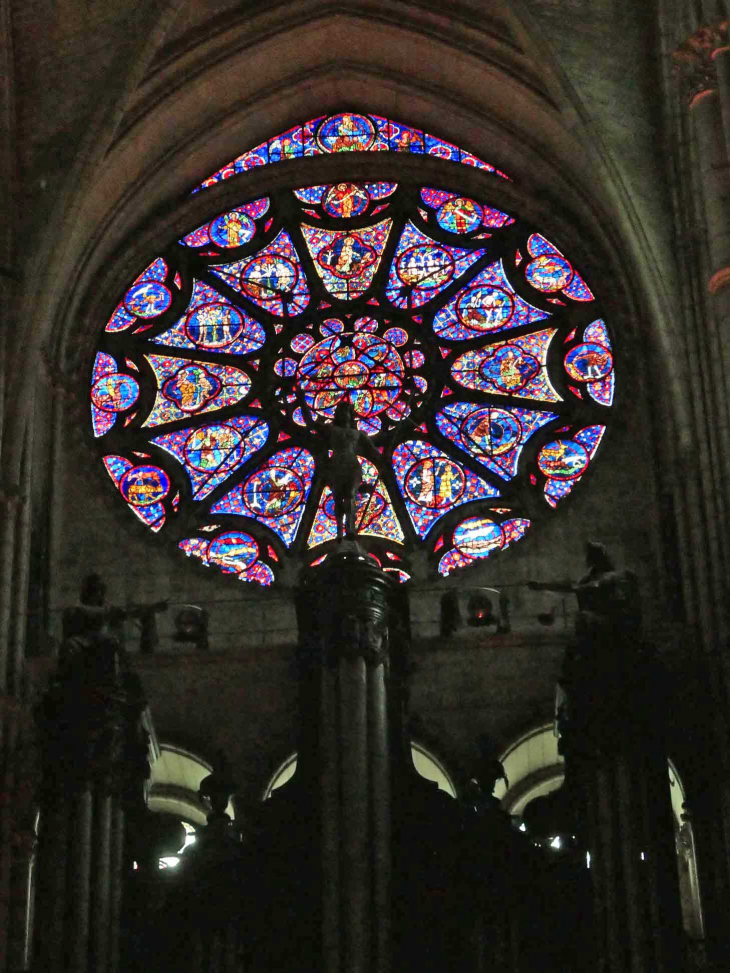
703 63
94 761
343 611
613 738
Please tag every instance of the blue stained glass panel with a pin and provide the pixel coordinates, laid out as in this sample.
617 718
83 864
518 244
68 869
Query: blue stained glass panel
488 305
432 483
211 453
186 388
273 278
275 494
493 436
212 323
422 268
516 367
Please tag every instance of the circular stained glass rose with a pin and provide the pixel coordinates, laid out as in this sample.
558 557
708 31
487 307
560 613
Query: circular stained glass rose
478 398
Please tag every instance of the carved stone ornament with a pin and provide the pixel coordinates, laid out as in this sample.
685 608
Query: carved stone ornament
694 59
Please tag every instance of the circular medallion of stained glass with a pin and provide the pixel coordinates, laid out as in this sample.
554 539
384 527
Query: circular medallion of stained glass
549 273
346 133
233 551
214 448
509 368
144 485
435 483
148 299
478 537
459 215
214 325
492 431
345 200
485 308
273 491
588 362
386 323
360 367
114 392
267 277
232 230
424 267
563 459
191 388
347 257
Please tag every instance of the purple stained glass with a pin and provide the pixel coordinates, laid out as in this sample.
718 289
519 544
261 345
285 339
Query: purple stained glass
210 453
347 261
462 390
488 305
212 323
422 268
345 199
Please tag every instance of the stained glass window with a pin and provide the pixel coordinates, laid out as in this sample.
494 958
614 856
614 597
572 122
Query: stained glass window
475 356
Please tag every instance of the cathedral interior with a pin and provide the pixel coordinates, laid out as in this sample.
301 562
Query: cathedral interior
362 424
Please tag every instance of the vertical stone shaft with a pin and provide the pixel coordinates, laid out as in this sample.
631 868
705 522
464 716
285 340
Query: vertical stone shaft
53 855
116 883
343 617
101 882
329 776
380 791
80 898
355 819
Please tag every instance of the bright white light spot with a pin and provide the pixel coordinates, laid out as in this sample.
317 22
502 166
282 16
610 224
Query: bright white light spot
588 859
171 862
523 827
189 840
556 842
643 857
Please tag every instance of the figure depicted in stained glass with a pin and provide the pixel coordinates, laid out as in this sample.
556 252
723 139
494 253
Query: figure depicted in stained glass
345 200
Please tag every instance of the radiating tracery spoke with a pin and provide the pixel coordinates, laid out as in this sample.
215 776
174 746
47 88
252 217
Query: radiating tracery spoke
450 327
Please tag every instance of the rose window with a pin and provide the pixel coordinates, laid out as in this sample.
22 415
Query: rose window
473 352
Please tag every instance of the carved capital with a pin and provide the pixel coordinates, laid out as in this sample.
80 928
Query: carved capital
694 59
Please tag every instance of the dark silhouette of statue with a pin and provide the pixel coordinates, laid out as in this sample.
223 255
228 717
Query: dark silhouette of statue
92 628
608 599
342 471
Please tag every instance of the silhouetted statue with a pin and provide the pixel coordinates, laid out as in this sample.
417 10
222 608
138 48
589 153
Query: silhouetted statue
342 471
91 630
608 599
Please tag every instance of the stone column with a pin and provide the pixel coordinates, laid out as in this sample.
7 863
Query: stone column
613 739
91 740
344 610
703 60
